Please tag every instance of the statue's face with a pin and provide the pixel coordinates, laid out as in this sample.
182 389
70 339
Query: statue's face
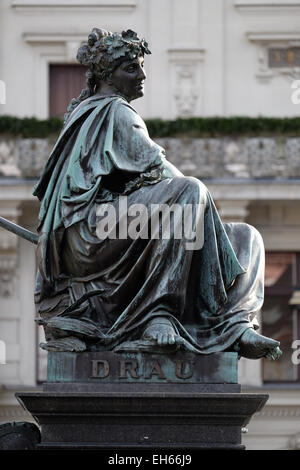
129 77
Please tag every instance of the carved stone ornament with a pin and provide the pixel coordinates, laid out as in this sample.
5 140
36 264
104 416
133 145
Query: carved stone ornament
292 153
8 254
186 80
7 284
261 157
8 165
266 43
32 155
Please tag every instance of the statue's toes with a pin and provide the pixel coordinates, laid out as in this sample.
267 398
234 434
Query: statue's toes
178 339
161 339
274 354
172 339
150 336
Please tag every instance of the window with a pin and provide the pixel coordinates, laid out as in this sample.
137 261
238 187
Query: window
284 57
65 82
280 319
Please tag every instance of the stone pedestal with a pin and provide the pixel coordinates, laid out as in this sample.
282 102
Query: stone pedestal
105 400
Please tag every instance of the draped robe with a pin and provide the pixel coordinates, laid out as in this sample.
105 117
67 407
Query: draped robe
106 290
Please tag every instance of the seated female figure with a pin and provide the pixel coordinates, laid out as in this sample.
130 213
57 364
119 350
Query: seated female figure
112 274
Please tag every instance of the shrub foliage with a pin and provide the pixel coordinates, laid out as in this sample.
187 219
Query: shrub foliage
193 127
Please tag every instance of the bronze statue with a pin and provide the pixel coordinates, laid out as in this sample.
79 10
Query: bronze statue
136 293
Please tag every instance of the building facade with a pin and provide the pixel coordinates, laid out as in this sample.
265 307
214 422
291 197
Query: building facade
209 58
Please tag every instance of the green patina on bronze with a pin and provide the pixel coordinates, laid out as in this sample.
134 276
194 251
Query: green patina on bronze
109 367
105 50
122 294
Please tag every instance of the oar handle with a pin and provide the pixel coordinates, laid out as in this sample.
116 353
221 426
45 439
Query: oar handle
20 231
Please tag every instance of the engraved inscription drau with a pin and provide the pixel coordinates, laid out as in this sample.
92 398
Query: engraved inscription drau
125 369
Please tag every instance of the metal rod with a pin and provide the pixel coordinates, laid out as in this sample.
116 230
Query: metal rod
20 231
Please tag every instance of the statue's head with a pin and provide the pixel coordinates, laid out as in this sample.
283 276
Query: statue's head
116 60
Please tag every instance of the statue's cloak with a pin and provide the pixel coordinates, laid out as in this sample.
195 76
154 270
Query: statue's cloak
101 135
108 289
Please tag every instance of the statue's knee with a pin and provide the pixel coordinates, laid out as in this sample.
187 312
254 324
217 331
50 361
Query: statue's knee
191 184
244 231
255 234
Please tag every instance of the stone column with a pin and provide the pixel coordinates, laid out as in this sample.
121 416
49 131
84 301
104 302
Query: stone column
8 250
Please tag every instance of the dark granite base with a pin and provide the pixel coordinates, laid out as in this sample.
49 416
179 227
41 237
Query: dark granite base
141 401
144 420
136 388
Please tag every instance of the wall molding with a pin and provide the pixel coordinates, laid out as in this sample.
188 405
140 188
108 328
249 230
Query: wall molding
50 49
269 39
36 39
59 6
280 412
263 7
186 78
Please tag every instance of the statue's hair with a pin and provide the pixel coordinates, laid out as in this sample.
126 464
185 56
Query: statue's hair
102 53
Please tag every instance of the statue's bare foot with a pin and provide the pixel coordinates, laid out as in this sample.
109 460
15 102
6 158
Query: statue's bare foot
161 331
252 345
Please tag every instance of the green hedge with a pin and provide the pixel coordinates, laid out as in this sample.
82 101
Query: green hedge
222 126
29 127
194 127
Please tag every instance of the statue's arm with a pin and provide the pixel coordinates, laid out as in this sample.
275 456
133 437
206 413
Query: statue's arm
137 150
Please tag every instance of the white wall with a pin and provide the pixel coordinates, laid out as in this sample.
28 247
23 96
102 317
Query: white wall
17 311
204 61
